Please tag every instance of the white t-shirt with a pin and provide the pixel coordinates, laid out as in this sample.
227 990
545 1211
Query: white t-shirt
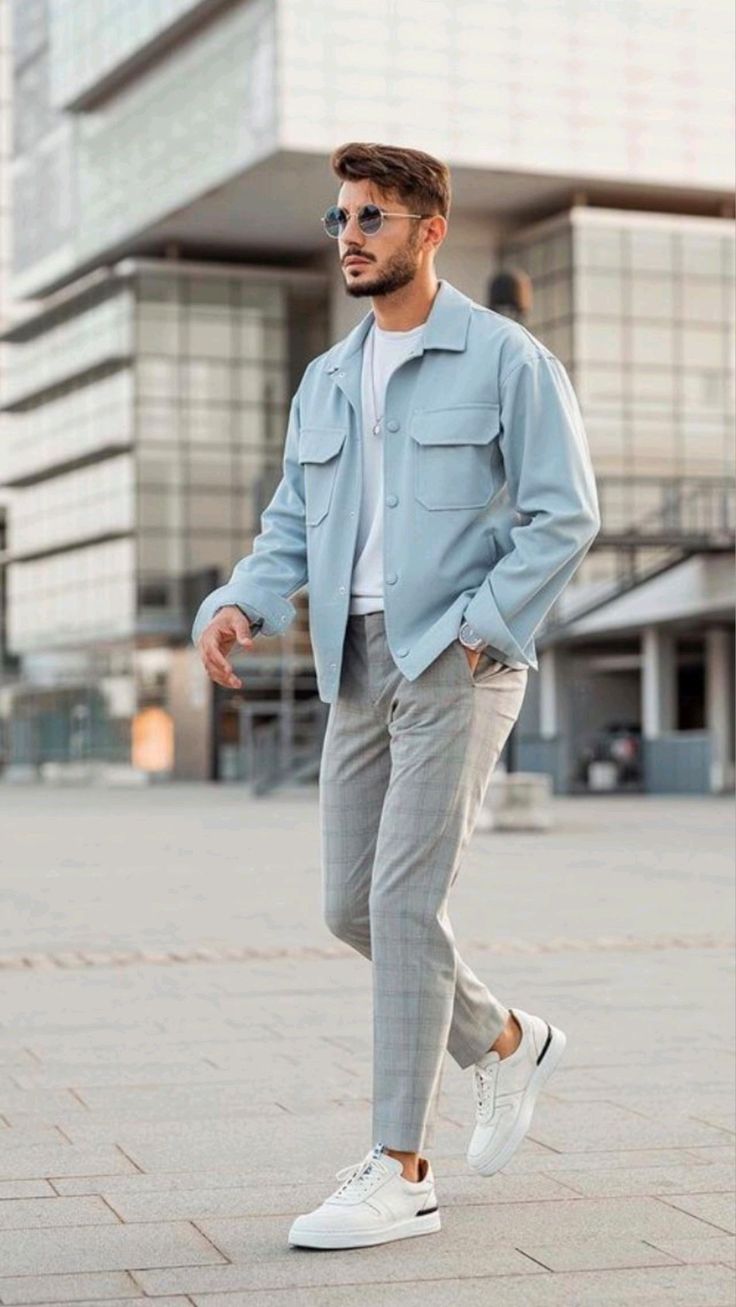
390 348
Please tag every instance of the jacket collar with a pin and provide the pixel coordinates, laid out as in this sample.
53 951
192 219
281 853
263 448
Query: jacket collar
446 327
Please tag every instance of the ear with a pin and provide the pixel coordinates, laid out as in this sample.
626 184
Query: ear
437 229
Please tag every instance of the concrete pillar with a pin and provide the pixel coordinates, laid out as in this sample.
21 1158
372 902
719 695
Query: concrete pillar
553 690
719 706
191 704
554 708
658 682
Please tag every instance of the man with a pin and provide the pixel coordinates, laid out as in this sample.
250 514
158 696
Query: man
437 495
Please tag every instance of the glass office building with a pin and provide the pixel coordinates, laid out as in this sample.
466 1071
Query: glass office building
639 307
145 418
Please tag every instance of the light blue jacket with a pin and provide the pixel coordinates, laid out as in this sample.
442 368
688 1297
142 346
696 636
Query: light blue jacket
490 502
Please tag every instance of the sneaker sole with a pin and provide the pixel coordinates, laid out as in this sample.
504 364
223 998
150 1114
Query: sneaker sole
490 1162
427 1223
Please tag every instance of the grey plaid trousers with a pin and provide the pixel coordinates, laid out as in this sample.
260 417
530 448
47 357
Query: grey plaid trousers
405 767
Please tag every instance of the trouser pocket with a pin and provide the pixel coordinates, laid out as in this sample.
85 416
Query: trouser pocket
485 665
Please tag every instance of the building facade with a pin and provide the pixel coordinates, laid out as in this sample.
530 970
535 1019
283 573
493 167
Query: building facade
169 280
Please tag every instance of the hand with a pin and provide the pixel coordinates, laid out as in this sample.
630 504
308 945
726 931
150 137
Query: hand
473 655
228 625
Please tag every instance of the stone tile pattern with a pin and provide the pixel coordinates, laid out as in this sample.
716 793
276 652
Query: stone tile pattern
185 1059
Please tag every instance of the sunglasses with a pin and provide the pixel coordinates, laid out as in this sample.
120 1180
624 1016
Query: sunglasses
370 219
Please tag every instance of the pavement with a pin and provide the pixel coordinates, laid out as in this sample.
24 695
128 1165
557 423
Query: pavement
185 1058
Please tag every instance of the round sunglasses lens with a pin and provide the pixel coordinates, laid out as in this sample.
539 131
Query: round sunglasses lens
334 221
370 219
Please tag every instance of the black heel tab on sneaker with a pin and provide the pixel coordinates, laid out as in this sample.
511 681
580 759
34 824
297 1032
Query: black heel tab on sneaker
547 1043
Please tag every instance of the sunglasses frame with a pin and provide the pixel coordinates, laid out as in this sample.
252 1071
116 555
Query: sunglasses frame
383 212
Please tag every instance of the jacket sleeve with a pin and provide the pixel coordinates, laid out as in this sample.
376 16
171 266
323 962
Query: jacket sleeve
261 583
552 488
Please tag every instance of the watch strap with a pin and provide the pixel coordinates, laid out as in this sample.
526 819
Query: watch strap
255 622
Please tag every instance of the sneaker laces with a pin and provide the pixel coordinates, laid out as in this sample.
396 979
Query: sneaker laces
360 1177
484 1083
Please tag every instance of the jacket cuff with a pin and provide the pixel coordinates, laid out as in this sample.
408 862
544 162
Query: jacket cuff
277 613
484 616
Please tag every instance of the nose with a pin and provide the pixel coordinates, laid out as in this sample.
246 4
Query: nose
352 218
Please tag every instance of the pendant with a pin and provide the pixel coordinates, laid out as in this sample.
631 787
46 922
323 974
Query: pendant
377 428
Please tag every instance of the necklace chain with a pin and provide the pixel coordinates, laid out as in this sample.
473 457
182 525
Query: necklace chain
376 428
377 419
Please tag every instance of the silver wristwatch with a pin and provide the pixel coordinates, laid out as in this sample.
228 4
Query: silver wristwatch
469 637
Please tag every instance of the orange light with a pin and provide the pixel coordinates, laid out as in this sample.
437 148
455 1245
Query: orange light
153 740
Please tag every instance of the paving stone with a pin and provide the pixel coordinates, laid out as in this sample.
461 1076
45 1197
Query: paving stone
41 1161
681 1286
58 1071
250 1239
261 1199
707 1178
717 1209
596 1254
243 1096
725 1152
46 1104
573 1127
41 1213
712 1248
26 1189
614 1159
104 1248
14 1137
236 1143
404 1262
112 1286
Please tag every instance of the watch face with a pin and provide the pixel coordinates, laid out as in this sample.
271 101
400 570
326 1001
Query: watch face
467 638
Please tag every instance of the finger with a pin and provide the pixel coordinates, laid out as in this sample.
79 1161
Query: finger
242 633
228 679
217 660
219 668
233 683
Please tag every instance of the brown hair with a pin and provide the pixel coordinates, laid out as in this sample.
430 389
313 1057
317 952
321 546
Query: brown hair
414 178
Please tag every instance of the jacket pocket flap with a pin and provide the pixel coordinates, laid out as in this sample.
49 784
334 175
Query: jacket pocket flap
318 444
459 424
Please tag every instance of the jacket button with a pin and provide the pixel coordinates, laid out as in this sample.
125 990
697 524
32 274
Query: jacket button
393 425
402 652
392 578
392 500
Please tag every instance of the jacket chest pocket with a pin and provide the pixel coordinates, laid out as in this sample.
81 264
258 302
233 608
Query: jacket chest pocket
319 454
453 455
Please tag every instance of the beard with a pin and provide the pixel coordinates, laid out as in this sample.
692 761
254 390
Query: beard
400 270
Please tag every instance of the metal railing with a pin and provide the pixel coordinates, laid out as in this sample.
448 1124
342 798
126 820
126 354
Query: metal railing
286 748
693 513
651 524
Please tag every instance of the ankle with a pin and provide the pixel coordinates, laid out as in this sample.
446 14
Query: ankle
413 1166
509 1039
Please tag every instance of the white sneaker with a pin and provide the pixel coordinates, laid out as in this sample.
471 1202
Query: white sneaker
375 1204
506 1089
